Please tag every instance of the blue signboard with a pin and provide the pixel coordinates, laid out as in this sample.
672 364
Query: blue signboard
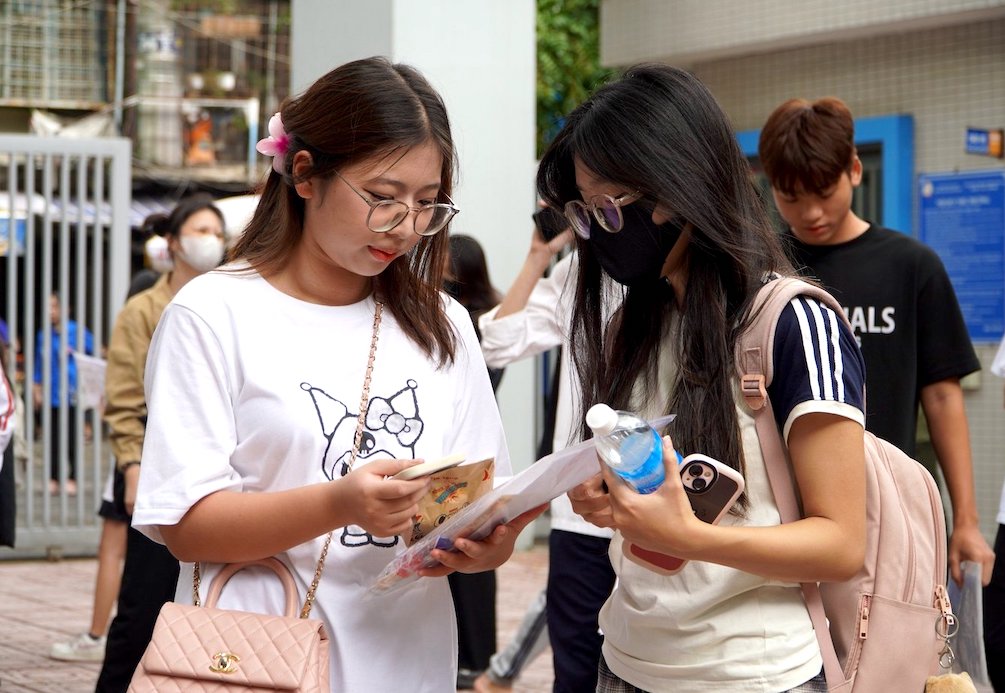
978 141
962 217
985 142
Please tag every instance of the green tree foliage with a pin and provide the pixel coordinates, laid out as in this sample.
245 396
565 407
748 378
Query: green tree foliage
568 61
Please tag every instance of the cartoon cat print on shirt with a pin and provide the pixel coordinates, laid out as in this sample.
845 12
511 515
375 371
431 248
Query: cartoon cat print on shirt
391 427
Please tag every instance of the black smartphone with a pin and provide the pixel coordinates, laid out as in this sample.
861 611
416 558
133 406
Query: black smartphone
550 222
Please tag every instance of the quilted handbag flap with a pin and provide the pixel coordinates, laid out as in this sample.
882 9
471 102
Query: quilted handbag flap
233 647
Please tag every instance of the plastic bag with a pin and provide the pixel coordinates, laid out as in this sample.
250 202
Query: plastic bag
969 641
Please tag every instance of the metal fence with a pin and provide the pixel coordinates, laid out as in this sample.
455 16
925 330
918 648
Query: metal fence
64 272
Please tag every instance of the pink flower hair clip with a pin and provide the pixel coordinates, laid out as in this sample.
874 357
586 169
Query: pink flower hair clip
276 144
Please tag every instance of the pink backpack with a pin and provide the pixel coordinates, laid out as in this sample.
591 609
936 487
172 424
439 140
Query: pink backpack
890 624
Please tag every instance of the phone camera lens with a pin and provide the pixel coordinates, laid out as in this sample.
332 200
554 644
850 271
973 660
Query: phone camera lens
695 470
699 484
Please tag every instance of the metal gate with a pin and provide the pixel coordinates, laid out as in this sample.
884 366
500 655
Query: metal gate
64 266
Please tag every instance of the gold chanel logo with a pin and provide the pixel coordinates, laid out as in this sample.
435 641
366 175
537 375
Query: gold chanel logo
224 663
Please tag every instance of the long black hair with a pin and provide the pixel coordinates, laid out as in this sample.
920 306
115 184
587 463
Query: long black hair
471 276
658 130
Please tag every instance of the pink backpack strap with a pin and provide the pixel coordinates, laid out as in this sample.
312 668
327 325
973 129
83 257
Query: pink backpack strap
755 350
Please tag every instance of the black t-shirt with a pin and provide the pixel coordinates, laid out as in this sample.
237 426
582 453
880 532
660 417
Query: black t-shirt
905 316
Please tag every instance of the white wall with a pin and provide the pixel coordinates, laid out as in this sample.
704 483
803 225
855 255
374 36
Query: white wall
326 33
684 32
480 55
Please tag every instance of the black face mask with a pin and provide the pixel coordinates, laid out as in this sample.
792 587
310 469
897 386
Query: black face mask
635 255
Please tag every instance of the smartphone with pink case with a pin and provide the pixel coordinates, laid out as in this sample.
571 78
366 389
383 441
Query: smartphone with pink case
712 488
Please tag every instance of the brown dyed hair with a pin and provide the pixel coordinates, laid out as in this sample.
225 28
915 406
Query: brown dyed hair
364 109
807 145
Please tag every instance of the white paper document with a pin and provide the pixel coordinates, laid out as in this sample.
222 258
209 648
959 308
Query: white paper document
90 381
546 479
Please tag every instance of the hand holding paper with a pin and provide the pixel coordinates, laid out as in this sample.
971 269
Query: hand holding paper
546 479
476 556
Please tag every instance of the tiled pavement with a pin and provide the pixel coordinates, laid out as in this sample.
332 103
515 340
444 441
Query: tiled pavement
43 602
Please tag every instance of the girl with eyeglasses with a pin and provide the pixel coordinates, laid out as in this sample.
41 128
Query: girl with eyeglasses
652 180
285 389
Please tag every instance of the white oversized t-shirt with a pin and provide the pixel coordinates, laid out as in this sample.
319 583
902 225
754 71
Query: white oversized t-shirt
252 390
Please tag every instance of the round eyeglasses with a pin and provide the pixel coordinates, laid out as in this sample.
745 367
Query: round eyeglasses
606 209
387 214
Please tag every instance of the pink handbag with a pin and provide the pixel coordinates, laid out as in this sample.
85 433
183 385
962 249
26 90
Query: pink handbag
209 650
203 648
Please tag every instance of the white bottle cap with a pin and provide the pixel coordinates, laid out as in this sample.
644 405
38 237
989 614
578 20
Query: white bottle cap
601 419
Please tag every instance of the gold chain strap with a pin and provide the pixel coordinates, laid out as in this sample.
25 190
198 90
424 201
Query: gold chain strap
363 401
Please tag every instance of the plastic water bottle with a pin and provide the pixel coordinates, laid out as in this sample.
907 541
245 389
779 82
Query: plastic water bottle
629 446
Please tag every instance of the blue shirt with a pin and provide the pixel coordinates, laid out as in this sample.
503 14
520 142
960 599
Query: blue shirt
71 366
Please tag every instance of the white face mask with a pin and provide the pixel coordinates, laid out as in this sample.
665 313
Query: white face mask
202 253
158 255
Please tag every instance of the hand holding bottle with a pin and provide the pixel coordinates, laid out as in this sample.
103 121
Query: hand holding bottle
646 516
673 499
628 445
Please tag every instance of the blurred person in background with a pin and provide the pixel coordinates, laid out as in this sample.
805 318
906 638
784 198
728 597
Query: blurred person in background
994 591
917 348
62 456
194 234
8 509
466 278
90 645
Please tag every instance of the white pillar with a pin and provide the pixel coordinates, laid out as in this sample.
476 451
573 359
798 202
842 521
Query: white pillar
481 56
